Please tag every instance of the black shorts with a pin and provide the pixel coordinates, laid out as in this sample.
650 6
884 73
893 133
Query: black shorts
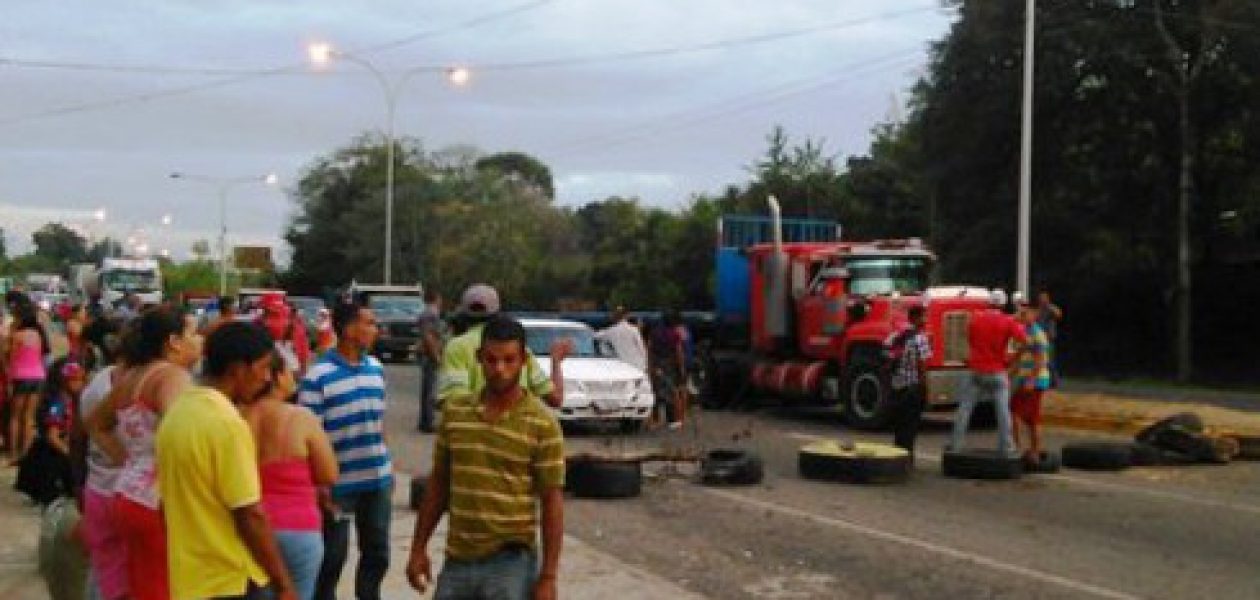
27 386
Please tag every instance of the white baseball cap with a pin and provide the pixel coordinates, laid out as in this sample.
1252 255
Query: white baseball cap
480 299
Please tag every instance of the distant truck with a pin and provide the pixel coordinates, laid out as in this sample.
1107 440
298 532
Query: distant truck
397 309
114 278
803 315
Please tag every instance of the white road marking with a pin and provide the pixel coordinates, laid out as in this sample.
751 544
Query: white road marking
1165 495
954 553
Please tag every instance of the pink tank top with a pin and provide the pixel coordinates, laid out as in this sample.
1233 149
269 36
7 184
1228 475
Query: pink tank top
27 363
136 429
288 493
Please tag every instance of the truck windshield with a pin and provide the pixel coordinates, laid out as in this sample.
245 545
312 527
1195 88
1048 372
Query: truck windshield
397 306
885 274
130 281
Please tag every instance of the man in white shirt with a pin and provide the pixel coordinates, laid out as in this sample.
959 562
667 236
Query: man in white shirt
626 340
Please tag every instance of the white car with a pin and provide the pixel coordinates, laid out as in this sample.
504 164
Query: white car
597 386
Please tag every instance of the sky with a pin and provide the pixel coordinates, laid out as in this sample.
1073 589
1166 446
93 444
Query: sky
652 99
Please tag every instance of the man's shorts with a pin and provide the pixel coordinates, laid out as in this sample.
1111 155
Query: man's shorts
662 386
1026 406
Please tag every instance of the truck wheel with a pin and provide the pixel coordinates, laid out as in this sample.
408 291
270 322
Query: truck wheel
594 477
1098 456
971 463
868 404
859 462
731 467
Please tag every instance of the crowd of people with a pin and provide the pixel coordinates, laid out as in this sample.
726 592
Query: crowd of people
227 459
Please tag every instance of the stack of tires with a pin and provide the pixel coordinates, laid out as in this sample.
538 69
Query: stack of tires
1176 440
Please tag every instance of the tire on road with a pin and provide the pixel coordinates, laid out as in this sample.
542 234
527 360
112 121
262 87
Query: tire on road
596 477
860 462
1248 446
416 494
1098 456
1184 421
970 463
1047 462
868 395
731 467
1197 446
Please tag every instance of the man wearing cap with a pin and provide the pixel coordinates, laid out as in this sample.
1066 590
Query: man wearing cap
279 320
461 375
989 334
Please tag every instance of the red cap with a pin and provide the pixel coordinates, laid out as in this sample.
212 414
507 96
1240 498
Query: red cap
272 302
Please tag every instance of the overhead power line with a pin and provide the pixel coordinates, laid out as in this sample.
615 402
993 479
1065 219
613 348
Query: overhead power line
243 76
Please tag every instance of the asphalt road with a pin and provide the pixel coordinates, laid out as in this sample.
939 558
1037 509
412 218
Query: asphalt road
1168 532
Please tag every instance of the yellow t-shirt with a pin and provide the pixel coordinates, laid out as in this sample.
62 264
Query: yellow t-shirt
207 466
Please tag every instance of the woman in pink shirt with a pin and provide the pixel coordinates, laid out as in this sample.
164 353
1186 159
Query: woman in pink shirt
295 460
28 345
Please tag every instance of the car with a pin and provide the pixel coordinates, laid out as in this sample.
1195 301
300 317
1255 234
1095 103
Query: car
597 386
398 318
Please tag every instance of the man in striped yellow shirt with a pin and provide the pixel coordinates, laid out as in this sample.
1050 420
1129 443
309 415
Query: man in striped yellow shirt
497 456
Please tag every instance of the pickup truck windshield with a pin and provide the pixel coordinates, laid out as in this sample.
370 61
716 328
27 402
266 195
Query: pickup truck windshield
887 274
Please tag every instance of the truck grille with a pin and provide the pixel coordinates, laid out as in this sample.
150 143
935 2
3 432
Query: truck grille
956 348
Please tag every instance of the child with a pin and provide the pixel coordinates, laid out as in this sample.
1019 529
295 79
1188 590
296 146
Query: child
44 472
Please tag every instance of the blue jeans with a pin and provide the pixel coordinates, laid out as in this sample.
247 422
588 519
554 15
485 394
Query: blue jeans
303 551
371 513
504 575
979 387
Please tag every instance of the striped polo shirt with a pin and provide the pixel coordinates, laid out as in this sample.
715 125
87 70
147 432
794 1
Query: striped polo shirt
350 401
496 473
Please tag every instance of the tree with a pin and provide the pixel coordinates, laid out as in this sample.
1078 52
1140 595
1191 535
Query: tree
4 247
104 248
60 244
520 167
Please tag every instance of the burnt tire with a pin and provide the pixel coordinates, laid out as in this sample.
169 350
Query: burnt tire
1046 463
1197 446
981 464
868 395
731 467
603 478
416 494
1188 422
1248 446
856 463
1098 456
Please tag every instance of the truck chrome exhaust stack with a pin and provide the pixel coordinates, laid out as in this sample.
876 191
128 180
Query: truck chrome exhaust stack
776 304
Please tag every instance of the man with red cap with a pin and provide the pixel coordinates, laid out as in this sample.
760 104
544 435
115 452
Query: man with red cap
282 322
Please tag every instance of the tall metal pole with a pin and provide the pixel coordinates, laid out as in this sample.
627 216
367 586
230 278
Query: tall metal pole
1025 157
223 191
390 97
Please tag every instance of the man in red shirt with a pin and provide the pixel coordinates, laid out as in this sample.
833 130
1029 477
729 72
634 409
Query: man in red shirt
989 334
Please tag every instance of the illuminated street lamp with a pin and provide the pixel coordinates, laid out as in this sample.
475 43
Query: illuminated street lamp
321 55
223 186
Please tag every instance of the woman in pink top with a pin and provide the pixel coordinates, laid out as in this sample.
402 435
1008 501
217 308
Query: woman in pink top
28 345
295 459
163 347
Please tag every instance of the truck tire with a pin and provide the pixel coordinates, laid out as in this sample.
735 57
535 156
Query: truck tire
593 477
416 494
1098 456
975 463
1184 421
868 402
731 467
860 462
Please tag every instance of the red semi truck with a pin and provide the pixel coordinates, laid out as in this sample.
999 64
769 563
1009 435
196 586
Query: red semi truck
802 316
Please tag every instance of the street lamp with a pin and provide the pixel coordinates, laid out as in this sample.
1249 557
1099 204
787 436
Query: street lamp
223 186
321 55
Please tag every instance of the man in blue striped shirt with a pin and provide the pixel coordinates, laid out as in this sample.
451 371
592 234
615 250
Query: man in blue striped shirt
346 389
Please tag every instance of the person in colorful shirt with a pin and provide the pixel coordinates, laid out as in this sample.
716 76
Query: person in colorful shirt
909 351
44 473
498 473
1030 378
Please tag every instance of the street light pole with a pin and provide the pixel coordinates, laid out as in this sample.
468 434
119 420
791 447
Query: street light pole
223 186
1025 155
321 54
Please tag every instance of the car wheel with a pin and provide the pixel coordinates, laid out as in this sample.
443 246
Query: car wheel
858 462
731 467
594 477
1098 456
974 463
